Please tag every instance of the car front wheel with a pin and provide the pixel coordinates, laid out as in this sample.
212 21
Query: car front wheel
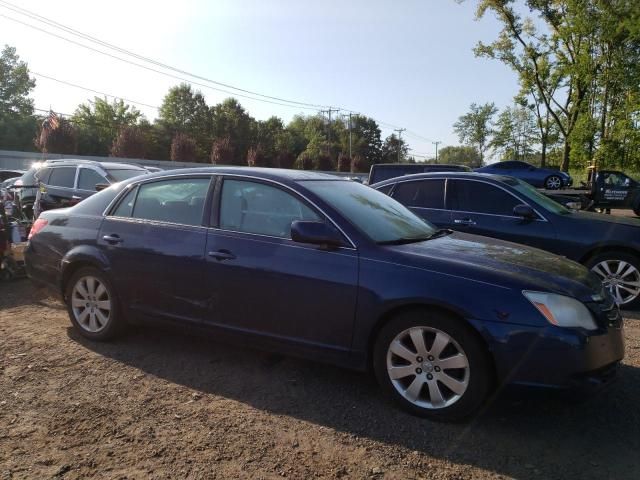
92 305
432 365
620 273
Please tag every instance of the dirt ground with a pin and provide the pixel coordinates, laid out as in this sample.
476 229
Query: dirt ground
166 404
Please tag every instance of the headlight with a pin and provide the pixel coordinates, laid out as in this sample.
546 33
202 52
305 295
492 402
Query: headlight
562 311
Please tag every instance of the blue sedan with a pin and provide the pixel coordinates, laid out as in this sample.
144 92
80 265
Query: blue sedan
538 177
313 265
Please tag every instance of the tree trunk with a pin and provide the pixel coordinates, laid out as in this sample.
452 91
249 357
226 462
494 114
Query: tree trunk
543 153
565 156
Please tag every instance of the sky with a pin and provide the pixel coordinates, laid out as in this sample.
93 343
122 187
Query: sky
407 63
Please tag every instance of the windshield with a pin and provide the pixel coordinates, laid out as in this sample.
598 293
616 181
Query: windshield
378 216
125 173
532 194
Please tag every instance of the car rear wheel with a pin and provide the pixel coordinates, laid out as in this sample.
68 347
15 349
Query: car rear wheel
432 365
553 182
620 273
92 305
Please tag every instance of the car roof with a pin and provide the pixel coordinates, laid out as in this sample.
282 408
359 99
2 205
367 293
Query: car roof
74 162
257 172
453 175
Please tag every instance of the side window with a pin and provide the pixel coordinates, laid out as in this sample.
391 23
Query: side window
125 207
258 208
479 197
176 201
62 177
42 175
88 179
386 189
423 194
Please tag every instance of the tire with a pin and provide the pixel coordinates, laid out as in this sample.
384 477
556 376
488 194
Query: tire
553 182
617 269
93 306
471 377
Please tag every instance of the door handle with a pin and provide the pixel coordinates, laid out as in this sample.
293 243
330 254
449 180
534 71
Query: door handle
464 221
221 255
112 239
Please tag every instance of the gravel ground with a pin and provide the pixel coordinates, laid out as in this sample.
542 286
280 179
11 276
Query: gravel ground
166 404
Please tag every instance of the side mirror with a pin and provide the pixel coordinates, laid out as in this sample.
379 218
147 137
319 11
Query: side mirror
524 211
101 186
316 233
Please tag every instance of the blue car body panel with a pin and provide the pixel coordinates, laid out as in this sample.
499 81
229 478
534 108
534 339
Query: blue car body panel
533 175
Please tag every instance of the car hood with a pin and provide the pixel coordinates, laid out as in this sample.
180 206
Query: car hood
502 263
612 220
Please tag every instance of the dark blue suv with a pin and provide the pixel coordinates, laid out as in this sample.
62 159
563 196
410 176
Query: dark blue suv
318 266
509 209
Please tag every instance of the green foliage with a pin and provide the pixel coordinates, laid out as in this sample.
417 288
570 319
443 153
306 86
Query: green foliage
304 161
222 152
475 127
394 150
359 164
344 163
98 122
515 134
17 123
257 158
183 148
462 155
56 135
130 143
232 121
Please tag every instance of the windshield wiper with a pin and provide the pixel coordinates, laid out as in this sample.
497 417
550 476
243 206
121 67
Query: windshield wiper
404 240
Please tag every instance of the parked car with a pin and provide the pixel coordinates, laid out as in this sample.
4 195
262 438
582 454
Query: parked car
510 209
322 267
66 182
7 174
384 171
538 177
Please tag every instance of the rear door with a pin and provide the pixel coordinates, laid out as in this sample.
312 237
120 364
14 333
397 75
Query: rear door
59 189
262 282
615 190
425 198
483 208
155 239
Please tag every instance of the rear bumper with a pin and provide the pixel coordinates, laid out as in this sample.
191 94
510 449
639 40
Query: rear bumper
554 357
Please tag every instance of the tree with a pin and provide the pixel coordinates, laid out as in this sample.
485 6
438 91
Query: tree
257 158
475 127
183 148
184 110
365 138
304 161
98 123
286 159
394 150
222 151
462 155
324 163
515 134
130 143
17 123
56 135
344 163
359 164
232 121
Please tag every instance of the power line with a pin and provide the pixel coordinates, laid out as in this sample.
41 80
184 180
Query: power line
72 31
91 90
265 98
151 69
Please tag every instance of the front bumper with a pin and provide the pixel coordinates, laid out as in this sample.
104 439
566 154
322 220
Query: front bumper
554 357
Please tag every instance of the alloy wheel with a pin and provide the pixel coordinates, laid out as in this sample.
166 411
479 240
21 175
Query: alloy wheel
427 367
621 278
553 183
91 304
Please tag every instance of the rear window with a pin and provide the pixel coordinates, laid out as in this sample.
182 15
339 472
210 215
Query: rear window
62 177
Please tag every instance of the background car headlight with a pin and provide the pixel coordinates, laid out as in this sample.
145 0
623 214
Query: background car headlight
562 311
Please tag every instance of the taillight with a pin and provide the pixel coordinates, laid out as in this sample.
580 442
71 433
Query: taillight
38 225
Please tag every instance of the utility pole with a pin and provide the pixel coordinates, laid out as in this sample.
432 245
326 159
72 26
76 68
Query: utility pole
399 130
436 144
328 112
350 141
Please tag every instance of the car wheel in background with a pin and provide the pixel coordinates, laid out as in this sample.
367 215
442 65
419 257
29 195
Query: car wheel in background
553 182
620 273
92 305
432 365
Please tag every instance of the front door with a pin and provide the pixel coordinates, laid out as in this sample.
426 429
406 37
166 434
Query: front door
155 242
262 282
615 190
485 209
